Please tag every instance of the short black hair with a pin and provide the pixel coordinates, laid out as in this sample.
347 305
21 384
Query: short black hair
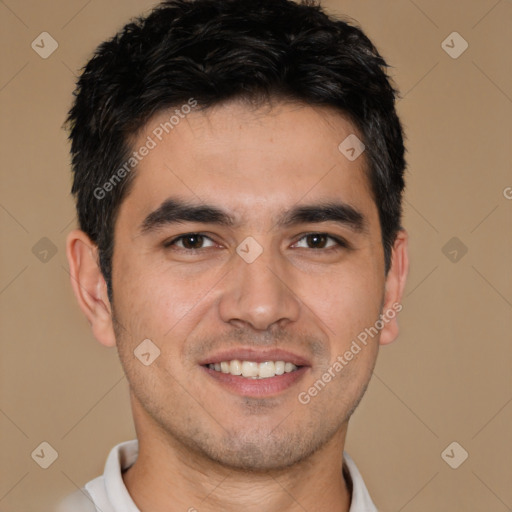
217 50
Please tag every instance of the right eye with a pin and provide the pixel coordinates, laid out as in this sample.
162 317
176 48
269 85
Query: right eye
189 242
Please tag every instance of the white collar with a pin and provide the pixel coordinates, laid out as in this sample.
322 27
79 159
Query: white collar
109 493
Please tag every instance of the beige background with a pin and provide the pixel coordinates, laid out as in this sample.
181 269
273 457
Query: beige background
447 378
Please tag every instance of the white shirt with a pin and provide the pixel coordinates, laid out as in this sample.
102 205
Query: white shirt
107 493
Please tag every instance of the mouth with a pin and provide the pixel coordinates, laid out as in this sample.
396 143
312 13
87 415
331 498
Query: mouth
249 372
253 369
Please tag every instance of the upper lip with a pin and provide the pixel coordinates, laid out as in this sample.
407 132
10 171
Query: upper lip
258 356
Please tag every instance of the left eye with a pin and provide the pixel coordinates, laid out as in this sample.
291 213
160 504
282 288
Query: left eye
319 241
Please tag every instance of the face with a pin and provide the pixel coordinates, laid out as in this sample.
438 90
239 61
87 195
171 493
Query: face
225 250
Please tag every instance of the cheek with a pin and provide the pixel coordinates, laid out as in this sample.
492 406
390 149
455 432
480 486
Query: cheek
350 309
351 302
156 299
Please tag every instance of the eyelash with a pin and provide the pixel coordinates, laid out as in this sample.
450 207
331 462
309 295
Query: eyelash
340 243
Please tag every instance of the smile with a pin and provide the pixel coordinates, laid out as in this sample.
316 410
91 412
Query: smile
252 369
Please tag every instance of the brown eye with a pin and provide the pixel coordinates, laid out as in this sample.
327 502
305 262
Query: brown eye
317 241
321 241
190 242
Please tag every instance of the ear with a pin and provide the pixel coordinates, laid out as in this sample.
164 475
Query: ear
89 285
394 287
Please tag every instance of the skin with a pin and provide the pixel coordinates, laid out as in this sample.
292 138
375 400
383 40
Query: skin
201 446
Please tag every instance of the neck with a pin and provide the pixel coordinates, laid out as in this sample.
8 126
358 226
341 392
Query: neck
167 477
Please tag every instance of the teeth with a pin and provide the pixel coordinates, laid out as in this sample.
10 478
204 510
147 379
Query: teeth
253 370
250 369
279 365
235 367
266 369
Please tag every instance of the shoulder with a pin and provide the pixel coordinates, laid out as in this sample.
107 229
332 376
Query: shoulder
79 501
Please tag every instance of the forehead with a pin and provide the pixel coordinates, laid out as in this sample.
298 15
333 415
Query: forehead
252 162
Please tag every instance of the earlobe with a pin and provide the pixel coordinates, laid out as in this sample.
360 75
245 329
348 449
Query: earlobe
395 284
89 285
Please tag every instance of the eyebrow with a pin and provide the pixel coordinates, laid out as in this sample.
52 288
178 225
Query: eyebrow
175 211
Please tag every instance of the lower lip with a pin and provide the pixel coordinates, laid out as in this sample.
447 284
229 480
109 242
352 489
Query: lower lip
257 387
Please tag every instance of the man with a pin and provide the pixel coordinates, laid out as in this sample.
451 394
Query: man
238 171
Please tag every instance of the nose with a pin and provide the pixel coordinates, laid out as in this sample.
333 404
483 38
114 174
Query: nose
259 294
